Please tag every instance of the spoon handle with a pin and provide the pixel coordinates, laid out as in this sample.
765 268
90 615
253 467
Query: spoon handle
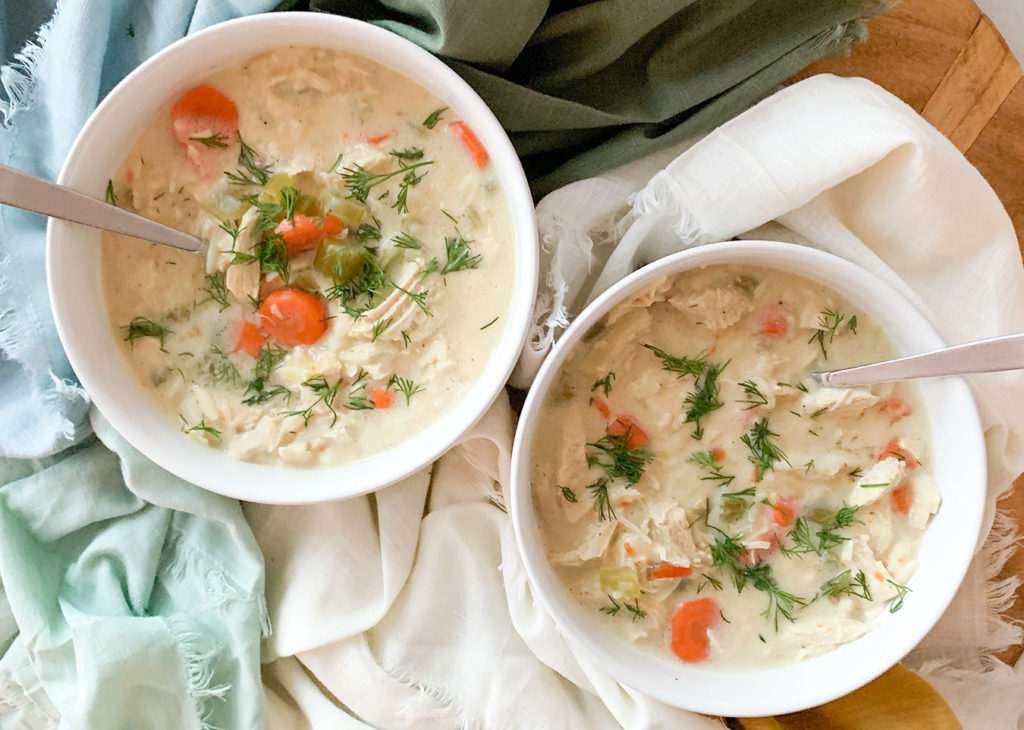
42 196
983 356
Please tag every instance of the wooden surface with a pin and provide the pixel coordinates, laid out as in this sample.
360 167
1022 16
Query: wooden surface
946 60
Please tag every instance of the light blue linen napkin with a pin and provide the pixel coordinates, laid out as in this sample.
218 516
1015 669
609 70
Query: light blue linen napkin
128 598
46 93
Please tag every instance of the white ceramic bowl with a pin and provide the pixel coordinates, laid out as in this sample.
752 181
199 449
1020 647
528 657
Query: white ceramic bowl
73 257
958 460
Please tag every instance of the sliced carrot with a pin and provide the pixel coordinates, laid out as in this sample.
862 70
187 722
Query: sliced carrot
471 143
304 232
668 570
628 548
206 122
893 448
377 139
901 498
293 317
895 408
690 624
783 511
383 399
773 321
718 454
248 338
601 406
628 427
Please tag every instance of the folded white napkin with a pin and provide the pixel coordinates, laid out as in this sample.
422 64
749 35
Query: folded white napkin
410 608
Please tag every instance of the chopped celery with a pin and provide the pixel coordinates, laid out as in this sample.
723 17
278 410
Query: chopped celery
620 583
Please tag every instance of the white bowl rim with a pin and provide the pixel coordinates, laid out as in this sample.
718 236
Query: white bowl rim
795 686
218 47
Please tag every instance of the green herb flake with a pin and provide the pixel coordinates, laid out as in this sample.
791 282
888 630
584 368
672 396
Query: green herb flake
434 117
604 384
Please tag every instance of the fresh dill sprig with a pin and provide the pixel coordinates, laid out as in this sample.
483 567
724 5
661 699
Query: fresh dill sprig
459 257
249 171
726 552
602 504
409 154
406 240
617 459
141 327
804 540
754 397
110 196
856 473
369 231
379 328
896 602
605 383
221 369
405 386
357 398
709 462
828 322
405 338
216 290
709 580
780 602
233 229
337 161
361 181
851 324
201 426
216 140
680 365
633 608
847 584
257 391
704 397
568 494
764 454
434 117
325 392
360 293
289 197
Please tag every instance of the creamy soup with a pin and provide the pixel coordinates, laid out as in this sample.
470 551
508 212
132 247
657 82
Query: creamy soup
703 496
359 268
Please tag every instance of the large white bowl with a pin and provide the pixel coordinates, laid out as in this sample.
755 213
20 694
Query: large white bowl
73 257
957 457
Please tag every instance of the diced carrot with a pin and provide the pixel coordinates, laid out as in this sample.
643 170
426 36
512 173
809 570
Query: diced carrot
628 548
601 406
896 408
879 576
690 625
293 317
377 139
773 321
893 448
383 399
248 338
668 570
304 232
783 511
626 425
206 122
718 454
901 498
471 143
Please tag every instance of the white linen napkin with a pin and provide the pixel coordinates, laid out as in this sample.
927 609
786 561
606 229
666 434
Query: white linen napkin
410 608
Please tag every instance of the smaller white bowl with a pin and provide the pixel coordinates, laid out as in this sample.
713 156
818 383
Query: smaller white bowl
958 460
74 276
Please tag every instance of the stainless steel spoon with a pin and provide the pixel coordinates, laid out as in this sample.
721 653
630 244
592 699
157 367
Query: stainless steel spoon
46 198
983 356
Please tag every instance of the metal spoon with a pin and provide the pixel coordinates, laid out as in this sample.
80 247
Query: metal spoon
983 356
46 198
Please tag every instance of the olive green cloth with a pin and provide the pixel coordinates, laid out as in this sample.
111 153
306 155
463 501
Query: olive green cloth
583 87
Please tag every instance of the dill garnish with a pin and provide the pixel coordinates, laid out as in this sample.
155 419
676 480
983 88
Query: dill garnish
568 494
613 454
605 383
334 165
141 327
780 602
249 171
846 583
490 323
217 290
764 454
820 412
754 397
360 293
379 328
408 154
221 369
896 602
633 608
289 197
805 541
679 365
369 232
726 551
325 392
216 140
361 181
232 229
704 397
856 473
257 390
110 196
357 398
708 461
405 338
406 240
828 322
201 426
602 505
456 249
404 386
709 580
852 324
434 117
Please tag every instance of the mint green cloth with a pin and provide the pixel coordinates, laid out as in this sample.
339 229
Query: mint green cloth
132 598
